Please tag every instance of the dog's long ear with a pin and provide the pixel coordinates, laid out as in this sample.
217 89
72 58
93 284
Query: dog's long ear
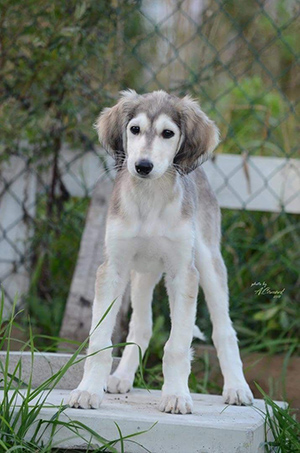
112 122
200 136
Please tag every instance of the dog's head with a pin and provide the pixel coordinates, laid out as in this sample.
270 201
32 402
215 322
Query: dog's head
156 131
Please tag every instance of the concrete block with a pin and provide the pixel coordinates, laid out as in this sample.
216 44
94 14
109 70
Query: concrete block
212 428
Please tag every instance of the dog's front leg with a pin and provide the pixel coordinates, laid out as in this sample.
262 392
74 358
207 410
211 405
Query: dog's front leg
140 330
110 286
182 291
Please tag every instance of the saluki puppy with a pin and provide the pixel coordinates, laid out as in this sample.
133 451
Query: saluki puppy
163 218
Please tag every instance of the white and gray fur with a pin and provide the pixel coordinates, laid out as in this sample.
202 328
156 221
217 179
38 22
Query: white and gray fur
166 222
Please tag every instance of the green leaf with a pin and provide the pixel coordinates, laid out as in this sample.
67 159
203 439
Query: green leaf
265 315
80 10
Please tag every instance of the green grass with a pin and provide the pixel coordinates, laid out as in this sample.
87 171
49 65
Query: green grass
281 425
22 427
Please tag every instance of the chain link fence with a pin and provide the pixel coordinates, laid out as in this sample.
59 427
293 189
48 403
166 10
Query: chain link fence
62 62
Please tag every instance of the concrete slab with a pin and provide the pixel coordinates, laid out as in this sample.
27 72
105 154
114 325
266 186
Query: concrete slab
42 365
212 428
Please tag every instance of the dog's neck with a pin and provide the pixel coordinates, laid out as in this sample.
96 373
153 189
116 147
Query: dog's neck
148 196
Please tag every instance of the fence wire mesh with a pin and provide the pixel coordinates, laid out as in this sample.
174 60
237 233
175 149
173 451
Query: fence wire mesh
62 62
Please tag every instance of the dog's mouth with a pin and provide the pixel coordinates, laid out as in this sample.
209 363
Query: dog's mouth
143 176
153 176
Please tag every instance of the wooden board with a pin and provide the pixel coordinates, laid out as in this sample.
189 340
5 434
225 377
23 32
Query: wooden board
78 313
255 183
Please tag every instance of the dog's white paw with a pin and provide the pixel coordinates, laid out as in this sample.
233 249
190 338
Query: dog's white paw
176 404
241 395
84 399
118 385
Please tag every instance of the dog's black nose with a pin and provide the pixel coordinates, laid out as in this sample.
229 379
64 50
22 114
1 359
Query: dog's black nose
143 167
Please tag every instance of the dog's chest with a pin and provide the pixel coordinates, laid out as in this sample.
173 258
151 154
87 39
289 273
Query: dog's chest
150 244
151 233
148 254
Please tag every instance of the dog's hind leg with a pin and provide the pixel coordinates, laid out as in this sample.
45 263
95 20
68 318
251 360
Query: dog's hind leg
213 279
140 331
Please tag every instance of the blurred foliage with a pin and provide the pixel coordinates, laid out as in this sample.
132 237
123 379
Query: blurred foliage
253 117
244 71
57 70
263 247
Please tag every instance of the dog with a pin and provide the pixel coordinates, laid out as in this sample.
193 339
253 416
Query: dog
163 218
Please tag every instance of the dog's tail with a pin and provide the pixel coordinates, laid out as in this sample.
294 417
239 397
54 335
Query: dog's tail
198 334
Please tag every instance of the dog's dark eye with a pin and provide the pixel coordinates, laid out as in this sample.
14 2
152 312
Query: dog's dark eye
167 134
135 130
